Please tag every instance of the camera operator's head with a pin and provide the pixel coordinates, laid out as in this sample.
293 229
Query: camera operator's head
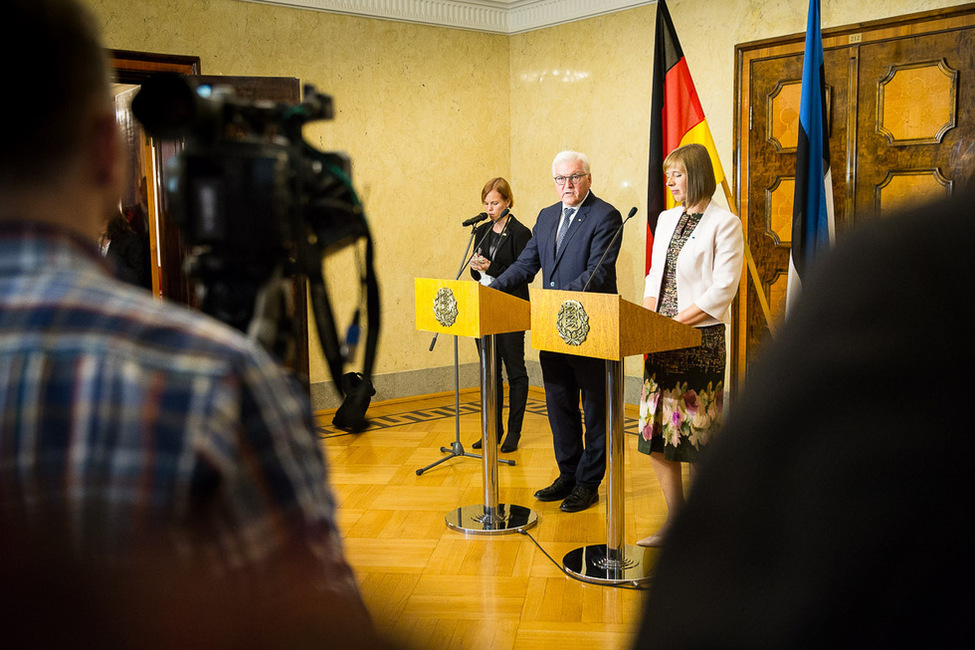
60 156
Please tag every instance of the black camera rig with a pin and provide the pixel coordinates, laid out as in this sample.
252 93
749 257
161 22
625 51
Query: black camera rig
257 205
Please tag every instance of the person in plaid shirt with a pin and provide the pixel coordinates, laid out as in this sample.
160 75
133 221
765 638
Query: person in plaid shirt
136 433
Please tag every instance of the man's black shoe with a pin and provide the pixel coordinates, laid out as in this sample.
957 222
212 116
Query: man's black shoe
580 498
557 490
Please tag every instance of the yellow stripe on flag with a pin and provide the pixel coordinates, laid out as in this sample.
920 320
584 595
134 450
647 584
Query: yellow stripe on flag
701 134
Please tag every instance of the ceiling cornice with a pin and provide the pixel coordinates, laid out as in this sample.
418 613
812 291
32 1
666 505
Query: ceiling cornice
494 16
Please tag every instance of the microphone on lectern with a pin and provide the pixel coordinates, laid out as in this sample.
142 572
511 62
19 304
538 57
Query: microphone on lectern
611 242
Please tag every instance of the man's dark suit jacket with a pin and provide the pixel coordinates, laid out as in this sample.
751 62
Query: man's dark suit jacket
591 231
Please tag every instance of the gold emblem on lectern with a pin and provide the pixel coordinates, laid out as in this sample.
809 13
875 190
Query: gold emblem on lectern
445 307
572 322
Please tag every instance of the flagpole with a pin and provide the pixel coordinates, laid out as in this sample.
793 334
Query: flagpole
750 262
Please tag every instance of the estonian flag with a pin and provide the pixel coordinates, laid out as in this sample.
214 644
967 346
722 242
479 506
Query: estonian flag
676 119
813 229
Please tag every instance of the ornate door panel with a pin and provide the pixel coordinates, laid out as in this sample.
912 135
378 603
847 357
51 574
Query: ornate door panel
772 139
901 108
916 120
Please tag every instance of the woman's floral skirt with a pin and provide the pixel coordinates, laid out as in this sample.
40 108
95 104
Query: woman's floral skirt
682 401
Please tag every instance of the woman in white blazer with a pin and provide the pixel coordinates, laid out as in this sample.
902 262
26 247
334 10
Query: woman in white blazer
695 268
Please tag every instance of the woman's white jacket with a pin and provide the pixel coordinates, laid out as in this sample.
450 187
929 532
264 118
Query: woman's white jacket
708 266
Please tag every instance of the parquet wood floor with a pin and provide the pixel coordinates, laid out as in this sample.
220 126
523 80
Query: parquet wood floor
428 586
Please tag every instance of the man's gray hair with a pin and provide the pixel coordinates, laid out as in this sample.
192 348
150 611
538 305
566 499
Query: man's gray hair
571 156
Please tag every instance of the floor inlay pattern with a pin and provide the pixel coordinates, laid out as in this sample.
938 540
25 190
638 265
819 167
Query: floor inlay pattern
536 406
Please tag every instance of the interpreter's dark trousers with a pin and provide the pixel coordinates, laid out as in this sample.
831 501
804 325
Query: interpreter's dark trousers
509 351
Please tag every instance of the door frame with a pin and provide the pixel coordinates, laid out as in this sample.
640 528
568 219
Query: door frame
165 245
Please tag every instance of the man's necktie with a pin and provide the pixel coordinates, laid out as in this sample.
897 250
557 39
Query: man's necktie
560 235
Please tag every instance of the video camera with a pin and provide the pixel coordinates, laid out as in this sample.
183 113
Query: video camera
256 204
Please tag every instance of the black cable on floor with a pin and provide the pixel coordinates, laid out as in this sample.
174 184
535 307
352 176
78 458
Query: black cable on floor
632 586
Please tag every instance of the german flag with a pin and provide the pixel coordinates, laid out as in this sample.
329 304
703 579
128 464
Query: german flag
676 118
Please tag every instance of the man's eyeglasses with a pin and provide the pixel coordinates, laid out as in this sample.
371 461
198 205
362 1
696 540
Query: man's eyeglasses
574 179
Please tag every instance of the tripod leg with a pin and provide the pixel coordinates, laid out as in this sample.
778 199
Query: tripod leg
456 448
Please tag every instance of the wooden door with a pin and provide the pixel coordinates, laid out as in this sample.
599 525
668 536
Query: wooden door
901 111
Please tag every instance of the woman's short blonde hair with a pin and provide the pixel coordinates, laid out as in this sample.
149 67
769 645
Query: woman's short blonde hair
500 186
695 162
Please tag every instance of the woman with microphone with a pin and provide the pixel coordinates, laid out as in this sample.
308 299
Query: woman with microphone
498 243
696 262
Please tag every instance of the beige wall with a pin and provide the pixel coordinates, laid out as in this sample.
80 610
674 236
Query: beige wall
428 114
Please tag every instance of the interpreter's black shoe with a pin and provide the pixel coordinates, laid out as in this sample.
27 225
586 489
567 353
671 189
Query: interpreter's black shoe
510 443
579 499
557 490
477 444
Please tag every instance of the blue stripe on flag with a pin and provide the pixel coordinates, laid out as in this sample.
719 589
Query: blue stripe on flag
812 224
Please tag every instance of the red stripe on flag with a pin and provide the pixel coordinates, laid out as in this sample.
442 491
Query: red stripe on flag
681 112
648 253
682 109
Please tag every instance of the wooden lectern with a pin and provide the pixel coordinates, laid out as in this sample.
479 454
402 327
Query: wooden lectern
466 308
604 326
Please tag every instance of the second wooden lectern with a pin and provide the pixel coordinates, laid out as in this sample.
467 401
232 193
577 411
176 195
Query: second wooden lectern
465 308
604 326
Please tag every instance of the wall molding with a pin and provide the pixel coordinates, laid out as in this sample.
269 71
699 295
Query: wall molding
493 16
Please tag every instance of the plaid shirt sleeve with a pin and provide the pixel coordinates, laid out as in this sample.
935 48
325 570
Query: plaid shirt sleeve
259 485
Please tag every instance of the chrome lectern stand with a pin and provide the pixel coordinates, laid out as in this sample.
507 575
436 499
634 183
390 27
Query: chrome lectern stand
604 326
464 308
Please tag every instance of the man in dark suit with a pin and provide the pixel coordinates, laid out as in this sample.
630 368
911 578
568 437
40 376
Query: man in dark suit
568 240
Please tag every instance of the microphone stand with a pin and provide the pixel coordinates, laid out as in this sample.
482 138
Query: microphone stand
456 448
611 242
